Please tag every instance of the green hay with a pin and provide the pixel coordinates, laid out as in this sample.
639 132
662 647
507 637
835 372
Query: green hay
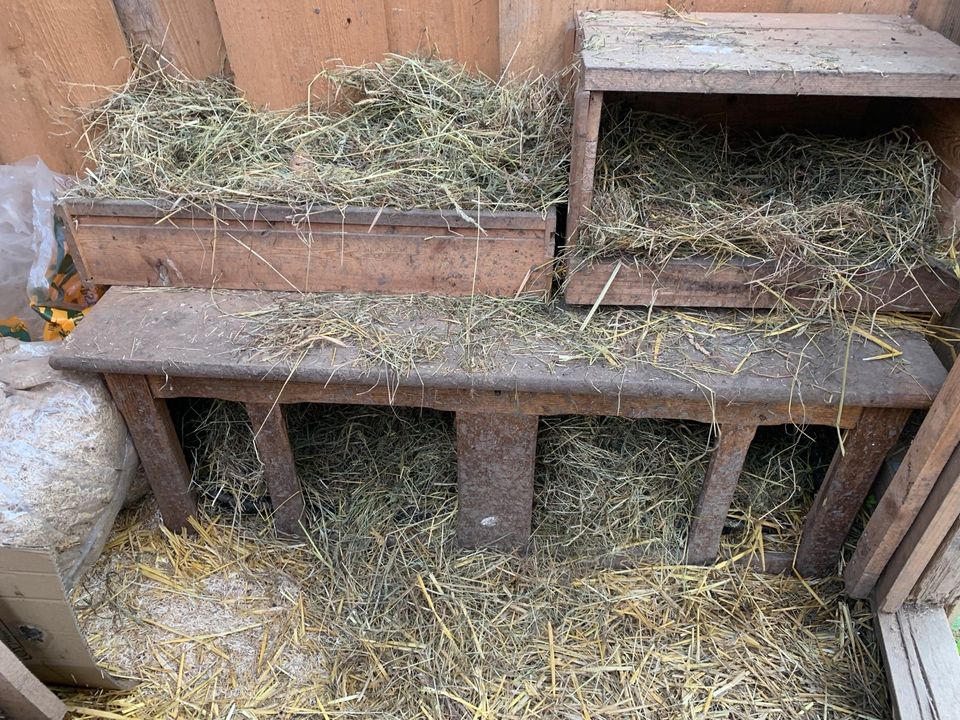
405 133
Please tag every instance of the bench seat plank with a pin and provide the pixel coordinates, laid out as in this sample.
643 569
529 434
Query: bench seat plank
199 334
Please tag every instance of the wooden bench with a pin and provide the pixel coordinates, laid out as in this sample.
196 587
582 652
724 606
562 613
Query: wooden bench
152 345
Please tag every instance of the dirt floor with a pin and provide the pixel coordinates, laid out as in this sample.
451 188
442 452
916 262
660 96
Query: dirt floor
379 615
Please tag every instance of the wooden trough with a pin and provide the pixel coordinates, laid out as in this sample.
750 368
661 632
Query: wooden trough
273 247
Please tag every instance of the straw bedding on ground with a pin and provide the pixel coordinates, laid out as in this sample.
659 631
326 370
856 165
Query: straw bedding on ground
407 132
380 616
827 211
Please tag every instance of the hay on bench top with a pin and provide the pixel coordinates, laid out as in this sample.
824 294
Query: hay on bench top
407 132
379 614
830 208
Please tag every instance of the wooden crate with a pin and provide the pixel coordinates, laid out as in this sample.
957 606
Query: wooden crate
124 242
843 73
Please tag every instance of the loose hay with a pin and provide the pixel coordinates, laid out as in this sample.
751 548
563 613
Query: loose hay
829 212
382 616
404 133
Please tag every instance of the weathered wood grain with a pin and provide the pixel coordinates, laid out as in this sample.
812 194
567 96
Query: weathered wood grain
921 661
55 55
155 438
929 531
495 467
277 47
279 471
185 32
940 583
911 486
22 696
702 283
329 250
716 495
540 34
845 487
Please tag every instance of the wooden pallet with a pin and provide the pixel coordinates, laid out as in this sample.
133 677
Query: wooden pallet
123 242
751 54
153 346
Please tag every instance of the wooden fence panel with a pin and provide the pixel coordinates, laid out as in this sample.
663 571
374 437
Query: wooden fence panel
54 55
276 47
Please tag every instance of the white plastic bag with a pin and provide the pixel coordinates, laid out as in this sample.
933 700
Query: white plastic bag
66 459
27 241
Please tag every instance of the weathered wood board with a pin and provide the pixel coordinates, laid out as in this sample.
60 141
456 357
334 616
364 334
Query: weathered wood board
769 53
273 248
700 282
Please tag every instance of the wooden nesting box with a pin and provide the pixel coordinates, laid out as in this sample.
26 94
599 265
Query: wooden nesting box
761 70
272 247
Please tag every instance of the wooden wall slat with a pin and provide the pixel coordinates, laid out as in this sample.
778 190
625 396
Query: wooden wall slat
54 55
187 32
940 15
277 47
940 583
539 34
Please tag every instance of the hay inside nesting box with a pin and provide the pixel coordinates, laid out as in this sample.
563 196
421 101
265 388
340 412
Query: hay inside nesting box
827 211
407 132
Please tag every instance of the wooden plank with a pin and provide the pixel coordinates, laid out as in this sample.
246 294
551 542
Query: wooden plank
898 508
940 583
369 218
185 32
22 696
133 331
719 485
465 30
277 47
587 109
279 470
314 259
700 282
845 487
54 55
540 34
943 16
495 467
789 53
336 391
921 543
155 438
921 661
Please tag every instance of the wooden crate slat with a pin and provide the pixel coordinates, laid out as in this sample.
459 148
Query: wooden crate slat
702 283
793 53
273 248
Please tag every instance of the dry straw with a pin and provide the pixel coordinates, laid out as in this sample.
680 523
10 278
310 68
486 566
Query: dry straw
827 213
379 615
407 132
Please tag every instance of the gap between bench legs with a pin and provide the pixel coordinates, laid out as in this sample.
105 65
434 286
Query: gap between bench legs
723 474
496 456
845 487
155 438
279 471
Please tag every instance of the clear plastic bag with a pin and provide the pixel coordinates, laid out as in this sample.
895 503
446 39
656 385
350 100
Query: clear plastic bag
28 243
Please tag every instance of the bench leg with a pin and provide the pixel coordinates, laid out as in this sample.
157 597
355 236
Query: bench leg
845 487
155 438
279 471
723 473
495 465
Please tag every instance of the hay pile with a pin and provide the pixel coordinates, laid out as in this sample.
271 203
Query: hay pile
827 211
405 133
381 616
